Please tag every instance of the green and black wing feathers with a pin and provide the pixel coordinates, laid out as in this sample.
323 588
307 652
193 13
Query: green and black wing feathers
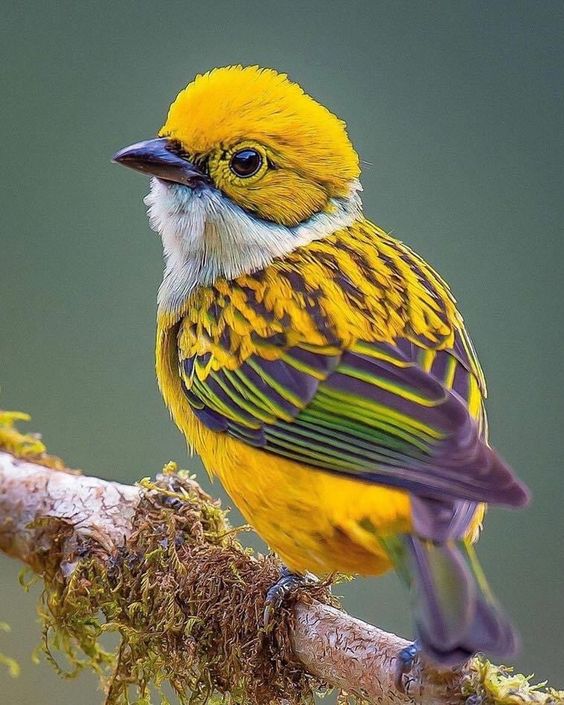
395 414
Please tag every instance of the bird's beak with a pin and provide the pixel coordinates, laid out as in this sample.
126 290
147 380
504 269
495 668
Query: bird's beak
158 157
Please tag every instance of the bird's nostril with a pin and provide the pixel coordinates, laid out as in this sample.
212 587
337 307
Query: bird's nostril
175 147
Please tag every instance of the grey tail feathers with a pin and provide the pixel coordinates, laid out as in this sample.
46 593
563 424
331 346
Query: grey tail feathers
456 614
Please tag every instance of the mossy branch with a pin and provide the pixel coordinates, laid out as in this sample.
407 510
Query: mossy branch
159 565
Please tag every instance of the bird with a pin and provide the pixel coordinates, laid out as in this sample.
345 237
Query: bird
318 366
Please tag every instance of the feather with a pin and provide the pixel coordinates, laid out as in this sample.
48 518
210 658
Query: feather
347 355
455 612
373 413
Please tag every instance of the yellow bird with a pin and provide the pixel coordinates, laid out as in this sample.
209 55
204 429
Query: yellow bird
317 365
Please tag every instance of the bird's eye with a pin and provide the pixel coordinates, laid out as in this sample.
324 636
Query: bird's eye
245 163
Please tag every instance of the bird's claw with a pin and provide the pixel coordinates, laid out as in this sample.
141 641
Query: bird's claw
408 655
277 594
406 659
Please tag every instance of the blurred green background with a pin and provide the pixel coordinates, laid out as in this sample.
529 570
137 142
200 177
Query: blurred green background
455 109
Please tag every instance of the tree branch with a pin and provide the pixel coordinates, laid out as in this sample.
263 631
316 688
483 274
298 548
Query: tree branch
101 520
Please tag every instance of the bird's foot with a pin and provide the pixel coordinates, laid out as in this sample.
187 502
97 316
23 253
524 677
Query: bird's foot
406 659
278 593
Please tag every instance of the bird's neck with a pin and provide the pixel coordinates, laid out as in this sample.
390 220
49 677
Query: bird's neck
206 237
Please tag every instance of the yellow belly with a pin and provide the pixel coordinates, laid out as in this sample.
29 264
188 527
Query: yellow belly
314 520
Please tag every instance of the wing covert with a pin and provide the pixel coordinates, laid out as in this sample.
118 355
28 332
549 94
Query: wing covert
395 414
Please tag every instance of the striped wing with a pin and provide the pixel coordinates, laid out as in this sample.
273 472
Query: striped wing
392 414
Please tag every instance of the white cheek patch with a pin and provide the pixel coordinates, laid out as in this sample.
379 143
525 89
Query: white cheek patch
206 236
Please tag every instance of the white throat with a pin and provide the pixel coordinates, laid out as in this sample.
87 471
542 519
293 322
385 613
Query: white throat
206 236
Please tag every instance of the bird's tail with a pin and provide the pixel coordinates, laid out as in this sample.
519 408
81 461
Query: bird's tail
456 614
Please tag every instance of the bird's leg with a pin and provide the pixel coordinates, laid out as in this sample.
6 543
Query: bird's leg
277 594
406 659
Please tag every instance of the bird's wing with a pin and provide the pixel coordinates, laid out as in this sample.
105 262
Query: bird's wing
396 414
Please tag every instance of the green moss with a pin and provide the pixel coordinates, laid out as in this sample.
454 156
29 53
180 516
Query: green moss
11 664
28 446
186 600
23 445
489 684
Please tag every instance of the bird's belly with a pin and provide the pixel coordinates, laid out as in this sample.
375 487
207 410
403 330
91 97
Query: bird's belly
314 520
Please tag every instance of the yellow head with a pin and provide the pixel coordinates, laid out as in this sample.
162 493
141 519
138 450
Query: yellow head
248 167
305 155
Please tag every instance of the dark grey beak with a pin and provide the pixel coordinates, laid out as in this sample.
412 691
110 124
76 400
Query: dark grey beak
158 157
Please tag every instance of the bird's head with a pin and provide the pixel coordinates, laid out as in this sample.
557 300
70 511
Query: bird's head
247 167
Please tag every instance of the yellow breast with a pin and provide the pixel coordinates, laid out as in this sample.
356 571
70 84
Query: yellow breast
314 520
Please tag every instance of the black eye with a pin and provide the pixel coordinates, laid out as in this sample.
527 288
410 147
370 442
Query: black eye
246 163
